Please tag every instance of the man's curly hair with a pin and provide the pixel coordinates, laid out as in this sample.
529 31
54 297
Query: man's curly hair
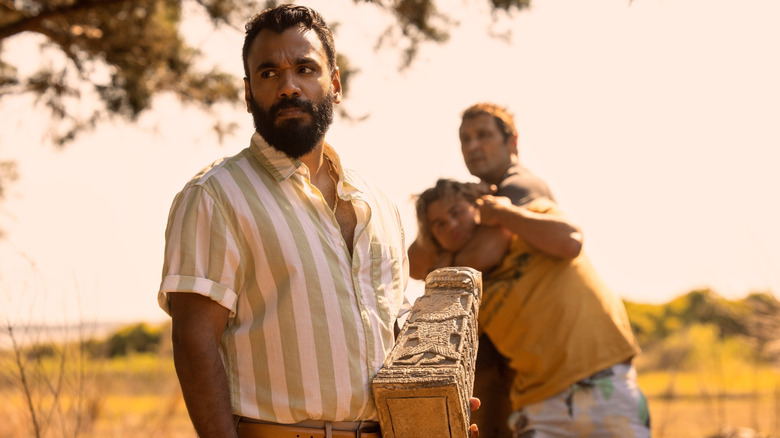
283 17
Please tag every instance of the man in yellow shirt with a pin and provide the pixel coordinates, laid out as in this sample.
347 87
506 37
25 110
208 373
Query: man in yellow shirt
565 333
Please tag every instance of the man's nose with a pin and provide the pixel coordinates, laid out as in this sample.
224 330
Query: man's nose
288 87
469 145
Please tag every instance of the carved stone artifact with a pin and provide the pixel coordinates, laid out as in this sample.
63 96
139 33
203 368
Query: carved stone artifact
424 388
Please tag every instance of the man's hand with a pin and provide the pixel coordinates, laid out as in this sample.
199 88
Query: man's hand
490 207
483 188
473 430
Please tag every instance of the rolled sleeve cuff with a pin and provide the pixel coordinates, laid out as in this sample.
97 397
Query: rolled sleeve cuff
223 295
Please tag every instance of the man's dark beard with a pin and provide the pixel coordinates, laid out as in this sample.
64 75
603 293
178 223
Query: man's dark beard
293 137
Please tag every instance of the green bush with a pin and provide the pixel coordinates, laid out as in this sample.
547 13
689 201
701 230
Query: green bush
756 316
699 347
138 338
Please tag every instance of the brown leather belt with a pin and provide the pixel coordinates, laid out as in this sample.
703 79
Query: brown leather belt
250 429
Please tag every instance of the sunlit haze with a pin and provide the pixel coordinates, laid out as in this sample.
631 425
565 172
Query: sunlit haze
656 123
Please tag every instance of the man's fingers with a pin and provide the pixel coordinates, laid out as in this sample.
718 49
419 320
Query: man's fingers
473 430
483 187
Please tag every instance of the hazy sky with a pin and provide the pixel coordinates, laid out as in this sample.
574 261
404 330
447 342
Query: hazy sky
656 124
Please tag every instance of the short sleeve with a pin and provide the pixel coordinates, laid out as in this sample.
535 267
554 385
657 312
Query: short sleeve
201 253
544 206
522 187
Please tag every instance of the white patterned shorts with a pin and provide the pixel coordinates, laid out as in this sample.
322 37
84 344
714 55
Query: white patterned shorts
608 404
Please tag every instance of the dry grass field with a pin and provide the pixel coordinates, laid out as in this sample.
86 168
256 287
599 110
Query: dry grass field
698 385
685 405
128 397
700 417
138 396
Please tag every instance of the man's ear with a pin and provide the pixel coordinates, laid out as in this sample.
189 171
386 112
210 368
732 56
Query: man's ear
336 84
247 95
513 144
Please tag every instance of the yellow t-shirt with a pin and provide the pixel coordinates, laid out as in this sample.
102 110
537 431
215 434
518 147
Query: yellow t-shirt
554 319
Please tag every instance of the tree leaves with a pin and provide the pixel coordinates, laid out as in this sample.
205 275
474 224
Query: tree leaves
122 53
125 51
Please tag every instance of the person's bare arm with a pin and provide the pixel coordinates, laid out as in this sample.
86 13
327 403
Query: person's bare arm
424 258
485 250
197 324
551 234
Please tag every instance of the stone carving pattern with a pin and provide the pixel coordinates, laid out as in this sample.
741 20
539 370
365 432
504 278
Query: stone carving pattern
438 343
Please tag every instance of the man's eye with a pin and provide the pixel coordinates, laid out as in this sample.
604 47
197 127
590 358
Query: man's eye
306 70
267 74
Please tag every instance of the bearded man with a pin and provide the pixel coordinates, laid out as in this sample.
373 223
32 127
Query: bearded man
284 271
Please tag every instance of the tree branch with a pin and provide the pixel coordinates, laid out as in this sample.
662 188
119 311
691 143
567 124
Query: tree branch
26 387
33 23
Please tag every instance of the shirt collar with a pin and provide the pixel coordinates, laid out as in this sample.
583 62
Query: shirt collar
275 162
283 167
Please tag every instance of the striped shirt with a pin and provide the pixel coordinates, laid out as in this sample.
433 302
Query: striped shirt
309 323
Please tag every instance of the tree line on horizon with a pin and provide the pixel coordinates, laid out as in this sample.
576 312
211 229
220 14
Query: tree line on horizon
670 333
674 334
